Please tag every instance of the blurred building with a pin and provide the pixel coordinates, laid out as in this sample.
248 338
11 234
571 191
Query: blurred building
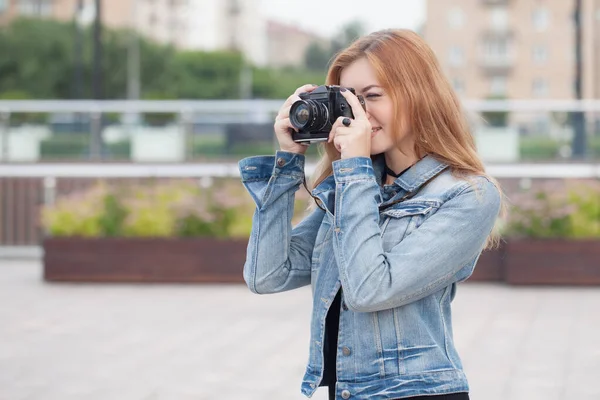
187 24
287 44
515 48
160 20
227 24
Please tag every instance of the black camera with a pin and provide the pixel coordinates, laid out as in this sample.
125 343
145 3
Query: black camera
316 111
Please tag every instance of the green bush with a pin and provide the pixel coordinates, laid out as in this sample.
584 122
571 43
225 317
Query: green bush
570 210
538 148
77 146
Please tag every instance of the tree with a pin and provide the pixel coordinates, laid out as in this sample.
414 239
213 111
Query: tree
349 33
316 57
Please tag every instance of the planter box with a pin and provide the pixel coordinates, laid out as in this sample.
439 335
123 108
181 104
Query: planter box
144 260
490 266
553 262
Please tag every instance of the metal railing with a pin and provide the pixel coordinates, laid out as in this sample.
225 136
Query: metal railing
25 187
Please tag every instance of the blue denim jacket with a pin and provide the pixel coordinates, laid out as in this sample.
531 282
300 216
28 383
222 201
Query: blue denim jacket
397 266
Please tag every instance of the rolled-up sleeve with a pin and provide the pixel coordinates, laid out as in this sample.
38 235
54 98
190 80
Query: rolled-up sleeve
278 257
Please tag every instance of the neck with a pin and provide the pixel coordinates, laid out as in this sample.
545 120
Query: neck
398 161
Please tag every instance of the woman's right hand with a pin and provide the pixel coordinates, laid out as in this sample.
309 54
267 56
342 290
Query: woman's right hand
283 126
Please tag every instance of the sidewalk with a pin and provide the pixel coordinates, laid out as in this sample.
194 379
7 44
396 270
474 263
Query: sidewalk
221 342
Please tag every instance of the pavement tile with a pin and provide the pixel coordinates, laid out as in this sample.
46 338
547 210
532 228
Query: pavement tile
180 342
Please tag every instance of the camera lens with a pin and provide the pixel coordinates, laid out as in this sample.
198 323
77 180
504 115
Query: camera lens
302 114
308 115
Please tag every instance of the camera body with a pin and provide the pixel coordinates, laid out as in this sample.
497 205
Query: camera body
316 111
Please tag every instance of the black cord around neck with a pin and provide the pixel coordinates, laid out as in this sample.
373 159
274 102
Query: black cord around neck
392 173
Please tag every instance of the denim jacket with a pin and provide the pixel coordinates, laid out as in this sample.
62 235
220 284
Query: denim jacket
398 266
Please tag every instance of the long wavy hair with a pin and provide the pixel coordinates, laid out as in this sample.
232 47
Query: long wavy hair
424 100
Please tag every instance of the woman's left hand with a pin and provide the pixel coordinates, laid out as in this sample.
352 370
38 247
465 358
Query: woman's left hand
353 140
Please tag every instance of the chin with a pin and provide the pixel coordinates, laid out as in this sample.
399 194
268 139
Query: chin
377 147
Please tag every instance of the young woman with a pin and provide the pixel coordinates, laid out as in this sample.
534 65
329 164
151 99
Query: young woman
404 211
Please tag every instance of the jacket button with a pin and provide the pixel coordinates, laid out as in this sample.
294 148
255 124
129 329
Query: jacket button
280 162
345 394
346 351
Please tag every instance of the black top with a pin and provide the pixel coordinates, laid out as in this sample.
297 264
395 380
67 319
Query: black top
330 343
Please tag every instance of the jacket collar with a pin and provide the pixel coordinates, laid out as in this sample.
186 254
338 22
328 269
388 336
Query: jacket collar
426 168
411 180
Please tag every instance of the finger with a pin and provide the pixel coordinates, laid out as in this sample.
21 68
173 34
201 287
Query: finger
337 124
305 88
340 140
296 95
284 112
357 110
284 124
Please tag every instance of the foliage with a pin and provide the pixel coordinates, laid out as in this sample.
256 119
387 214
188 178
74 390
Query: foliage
77 146
42 65
317 56
569 210
171 208
538 148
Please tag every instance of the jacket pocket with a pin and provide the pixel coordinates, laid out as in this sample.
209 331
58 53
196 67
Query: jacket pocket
400 221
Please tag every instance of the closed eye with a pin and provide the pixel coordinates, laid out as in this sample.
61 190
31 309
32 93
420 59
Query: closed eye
372 95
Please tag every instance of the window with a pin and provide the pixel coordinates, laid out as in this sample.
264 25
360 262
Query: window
540 54
45 8
499 18
456 56
458 85
3 6
497 50
34 7
498 86
541 19
456 18
26 7
540 87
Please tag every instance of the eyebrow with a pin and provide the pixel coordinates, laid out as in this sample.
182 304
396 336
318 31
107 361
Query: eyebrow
369 87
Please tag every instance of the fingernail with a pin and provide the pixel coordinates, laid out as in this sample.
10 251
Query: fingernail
343 89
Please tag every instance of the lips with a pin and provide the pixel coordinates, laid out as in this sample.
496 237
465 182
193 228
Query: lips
375 130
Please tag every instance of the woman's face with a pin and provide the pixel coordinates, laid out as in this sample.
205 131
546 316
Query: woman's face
380 109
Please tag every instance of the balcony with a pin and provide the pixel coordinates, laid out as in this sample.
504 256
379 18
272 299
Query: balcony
494 2
494 65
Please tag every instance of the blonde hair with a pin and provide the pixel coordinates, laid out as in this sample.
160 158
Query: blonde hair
408 70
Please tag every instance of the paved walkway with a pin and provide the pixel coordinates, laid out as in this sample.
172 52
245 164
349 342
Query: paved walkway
183 342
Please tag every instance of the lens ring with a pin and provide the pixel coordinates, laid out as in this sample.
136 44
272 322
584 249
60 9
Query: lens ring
301 114
322 114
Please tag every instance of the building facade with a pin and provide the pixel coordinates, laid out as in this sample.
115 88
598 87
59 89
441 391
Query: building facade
186 24
287 44
516 49
161 20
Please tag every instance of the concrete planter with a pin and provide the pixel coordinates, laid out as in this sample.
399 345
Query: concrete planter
158 144
22 143
144 260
